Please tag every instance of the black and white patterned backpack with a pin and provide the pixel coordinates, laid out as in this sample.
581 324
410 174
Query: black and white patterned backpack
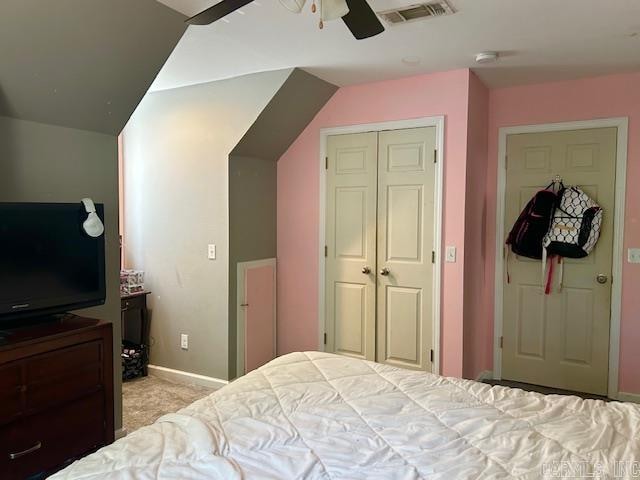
574 230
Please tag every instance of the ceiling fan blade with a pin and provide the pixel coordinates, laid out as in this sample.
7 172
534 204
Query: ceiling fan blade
362 20
219 10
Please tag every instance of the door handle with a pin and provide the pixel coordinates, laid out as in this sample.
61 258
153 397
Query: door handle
366 270
244 304
602 278
14 456
385 272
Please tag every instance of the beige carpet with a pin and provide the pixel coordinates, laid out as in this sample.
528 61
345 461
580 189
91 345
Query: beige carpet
146 399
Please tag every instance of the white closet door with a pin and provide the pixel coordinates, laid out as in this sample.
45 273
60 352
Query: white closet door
351 245
406 182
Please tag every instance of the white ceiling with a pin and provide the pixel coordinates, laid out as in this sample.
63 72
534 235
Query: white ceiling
540 40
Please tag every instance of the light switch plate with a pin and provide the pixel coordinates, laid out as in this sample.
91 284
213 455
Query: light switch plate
450 254
211 252
634 255
184 341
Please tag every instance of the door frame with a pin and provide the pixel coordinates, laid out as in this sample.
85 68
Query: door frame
621 123
435 121
241 311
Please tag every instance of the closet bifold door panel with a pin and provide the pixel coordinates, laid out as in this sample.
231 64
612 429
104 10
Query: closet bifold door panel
379 243
350 266
406 182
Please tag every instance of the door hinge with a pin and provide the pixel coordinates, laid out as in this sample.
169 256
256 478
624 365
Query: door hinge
506 162
326 251
435 156
433 256
326 163
431 355
325 338
501 342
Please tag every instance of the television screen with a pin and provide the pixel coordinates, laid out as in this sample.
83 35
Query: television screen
48 264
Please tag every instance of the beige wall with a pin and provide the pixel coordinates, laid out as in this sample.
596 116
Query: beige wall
45 163
176 152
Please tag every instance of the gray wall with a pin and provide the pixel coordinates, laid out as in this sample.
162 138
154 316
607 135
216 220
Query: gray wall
253 178
252 226
82 63
176 157
45 163
285 117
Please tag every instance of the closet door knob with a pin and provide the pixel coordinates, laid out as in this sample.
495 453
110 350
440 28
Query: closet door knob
384 272
602 279
366 270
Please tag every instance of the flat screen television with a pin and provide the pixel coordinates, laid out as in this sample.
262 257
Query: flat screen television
48 264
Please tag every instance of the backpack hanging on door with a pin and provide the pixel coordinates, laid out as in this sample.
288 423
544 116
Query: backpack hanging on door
527 235
574 230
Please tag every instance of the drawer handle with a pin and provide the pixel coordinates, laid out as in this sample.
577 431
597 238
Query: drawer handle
14 456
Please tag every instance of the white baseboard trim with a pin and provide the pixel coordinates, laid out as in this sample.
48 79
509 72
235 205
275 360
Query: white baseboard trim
120 433
484 375
186 377
628 397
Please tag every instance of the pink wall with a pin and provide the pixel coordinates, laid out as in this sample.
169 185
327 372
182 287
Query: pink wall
298 200
476 280
470 179
610 96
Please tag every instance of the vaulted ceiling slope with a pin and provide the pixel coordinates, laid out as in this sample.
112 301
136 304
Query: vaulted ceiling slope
298 100
82 63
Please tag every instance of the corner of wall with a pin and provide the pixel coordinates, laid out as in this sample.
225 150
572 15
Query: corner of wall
475 321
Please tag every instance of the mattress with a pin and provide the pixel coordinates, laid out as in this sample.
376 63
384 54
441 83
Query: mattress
322 416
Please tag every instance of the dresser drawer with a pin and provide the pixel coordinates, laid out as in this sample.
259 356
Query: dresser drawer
11 391
44 441
60 362
63 375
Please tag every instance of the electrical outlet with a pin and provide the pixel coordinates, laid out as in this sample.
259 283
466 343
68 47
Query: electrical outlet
211 251
450 254
184 341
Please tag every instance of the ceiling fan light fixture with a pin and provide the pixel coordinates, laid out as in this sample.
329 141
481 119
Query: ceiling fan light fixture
294 6
333 9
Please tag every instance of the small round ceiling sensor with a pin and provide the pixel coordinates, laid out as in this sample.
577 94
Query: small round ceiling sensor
411 60
486 57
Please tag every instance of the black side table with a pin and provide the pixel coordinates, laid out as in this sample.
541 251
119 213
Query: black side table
135 322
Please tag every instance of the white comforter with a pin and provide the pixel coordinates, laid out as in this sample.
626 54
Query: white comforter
317 415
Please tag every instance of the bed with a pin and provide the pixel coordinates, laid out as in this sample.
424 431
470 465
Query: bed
322 416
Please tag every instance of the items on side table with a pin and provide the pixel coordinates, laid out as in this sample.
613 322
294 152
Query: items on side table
131 281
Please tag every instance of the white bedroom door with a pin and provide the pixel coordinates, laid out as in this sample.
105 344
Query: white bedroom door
406 181
351 244
379 243
560 340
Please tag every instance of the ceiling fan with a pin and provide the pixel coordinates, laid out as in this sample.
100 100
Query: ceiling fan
357 15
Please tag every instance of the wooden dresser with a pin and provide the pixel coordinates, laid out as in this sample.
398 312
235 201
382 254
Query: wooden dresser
56 395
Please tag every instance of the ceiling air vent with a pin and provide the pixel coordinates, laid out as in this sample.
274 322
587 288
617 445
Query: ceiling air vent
415 12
